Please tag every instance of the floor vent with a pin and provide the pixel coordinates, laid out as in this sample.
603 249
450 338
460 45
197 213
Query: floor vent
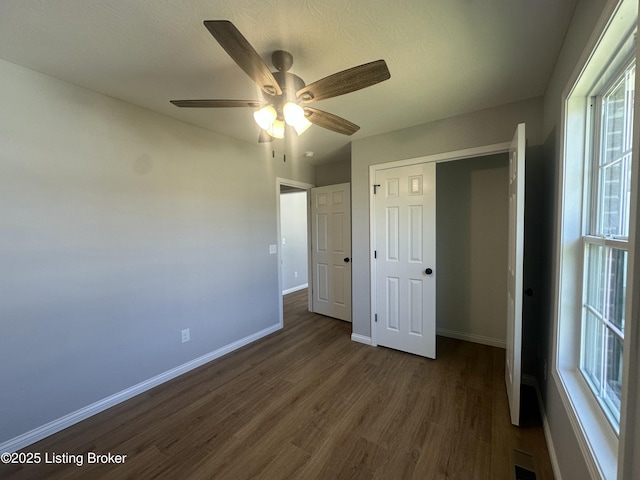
524 466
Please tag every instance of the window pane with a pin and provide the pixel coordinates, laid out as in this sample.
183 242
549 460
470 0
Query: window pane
616 287
606 283
613 134
613 372
614 160
615 191
595 278
592 350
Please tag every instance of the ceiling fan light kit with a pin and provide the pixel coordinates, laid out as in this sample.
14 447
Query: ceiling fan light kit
294 117
277 129
269 119
265 117
284 92
302 127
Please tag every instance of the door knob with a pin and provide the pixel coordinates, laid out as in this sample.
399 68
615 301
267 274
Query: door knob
428 271
346 259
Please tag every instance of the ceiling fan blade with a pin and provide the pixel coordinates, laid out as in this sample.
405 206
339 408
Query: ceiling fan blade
330 121
217 103
241 51
264 137
346 81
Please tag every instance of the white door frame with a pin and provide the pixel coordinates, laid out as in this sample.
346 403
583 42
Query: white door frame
438 158
302 186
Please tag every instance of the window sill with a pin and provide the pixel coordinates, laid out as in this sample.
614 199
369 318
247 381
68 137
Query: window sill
597 439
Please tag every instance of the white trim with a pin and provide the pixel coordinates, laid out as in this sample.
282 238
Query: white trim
72 418
438 158
593 433
446 156
360 339
295 289
472 337
372 261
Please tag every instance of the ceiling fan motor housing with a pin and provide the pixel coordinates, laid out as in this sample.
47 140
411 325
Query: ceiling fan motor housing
282 60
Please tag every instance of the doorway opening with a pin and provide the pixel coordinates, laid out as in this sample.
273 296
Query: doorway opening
293 235
294 258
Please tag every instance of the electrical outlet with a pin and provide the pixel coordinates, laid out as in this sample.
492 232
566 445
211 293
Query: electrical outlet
273 249
186 335
295 274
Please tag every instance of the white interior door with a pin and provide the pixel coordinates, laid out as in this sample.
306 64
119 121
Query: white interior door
331 250
515 270
405 258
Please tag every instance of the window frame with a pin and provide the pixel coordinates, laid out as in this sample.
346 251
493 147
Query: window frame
612 42
592 213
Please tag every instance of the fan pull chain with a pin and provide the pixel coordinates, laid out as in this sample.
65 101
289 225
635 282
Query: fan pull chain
284 156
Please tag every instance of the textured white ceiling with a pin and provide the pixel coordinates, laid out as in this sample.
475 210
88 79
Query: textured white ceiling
446 57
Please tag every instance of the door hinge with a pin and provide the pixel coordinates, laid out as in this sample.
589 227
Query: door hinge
375 188
375 254
376 317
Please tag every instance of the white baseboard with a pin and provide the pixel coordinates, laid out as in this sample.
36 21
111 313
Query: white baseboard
533 382
61 423
295 289
470 337
493 342
360 339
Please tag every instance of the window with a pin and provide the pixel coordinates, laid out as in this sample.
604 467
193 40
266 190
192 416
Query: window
595 223
608 175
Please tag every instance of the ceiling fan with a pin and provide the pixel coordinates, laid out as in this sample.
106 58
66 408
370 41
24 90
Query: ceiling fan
285 94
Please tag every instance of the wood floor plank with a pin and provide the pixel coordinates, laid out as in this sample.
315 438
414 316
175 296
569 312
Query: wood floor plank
308 403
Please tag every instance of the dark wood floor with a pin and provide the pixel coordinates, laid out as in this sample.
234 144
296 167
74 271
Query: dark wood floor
308 403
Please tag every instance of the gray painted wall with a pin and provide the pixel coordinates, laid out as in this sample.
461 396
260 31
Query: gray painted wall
333 173
120 227
294 246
